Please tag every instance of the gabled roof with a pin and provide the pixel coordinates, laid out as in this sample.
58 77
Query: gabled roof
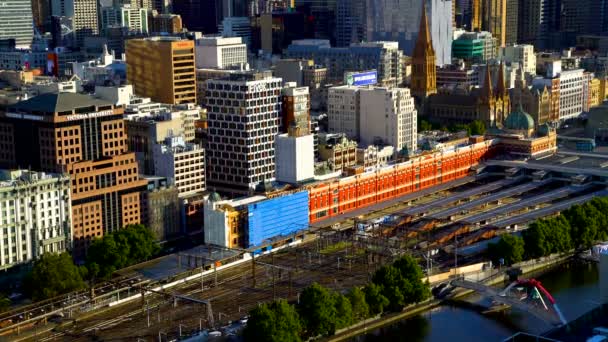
60 102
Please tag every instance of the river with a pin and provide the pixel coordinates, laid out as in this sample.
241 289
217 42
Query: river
574 286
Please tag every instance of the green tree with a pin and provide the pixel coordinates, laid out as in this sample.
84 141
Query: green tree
411 271
393 286
274 322
375 299
509 247
125 247
317 311
477 127
424 125
54 274
357 301
344 311
5 303
401 283
584 224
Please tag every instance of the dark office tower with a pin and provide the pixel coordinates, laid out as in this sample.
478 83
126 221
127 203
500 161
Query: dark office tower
323 13
350 21
581 17
231 8
539 23
198 15
41 11
511 22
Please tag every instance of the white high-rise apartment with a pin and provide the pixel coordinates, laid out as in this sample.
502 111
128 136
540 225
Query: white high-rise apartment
399 20
343 113
16 21
183 163
83 14
388 117
35 216
134 19
221 53
243 116
522 54
571 89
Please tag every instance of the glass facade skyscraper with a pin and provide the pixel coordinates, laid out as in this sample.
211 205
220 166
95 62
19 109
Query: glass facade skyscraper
16 21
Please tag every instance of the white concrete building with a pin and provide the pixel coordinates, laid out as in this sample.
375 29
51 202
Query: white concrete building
182 163
243 116
521 54
35 216
295 157
343 113
571 90
388 117
135 20
221 53
571 93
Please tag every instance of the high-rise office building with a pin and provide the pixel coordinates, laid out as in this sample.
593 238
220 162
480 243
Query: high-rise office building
424 77
385 57
84 17
350 22
494 19
198 15
16 21
85 137
41 12
162 68
511 25
35 214
399 20
236 27
539 23
323 13
388 117
522 54
343 112
243 115
296 108
475 15
182 163
135 20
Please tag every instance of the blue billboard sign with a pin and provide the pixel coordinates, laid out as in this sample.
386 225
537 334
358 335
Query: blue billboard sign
362 79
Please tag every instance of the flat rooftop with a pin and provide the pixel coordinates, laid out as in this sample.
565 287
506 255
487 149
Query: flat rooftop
586 163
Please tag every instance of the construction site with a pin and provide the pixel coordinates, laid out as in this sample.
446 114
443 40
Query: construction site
212 289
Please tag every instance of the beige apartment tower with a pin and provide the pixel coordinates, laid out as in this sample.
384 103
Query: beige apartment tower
162 68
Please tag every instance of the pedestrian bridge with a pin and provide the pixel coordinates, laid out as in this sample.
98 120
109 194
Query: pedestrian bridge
527 295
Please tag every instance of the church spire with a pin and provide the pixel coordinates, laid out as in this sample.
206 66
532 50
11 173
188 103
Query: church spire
486 91
501 90
424 35
424 79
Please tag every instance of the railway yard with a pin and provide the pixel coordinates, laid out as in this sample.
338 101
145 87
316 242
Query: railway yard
431 222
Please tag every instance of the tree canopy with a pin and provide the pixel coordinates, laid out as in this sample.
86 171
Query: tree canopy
122 248
509 247
274 322
53 275
317 310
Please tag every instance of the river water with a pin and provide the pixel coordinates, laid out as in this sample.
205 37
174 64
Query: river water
574 286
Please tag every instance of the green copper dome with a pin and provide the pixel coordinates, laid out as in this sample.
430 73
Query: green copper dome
519 120
215 197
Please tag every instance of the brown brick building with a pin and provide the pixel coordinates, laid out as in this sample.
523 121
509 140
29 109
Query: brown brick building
86 138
